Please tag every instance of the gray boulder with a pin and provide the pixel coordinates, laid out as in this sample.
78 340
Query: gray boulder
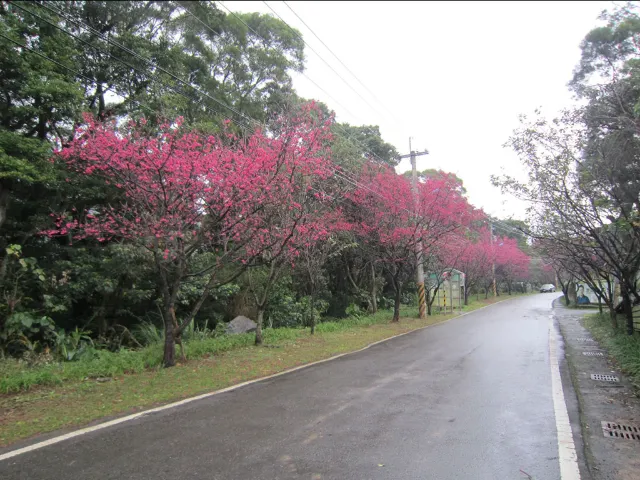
241 324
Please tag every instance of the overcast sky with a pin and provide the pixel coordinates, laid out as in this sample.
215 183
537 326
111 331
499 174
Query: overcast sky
452 75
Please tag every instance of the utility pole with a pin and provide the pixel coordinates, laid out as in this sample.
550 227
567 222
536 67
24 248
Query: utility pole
422 302
493 261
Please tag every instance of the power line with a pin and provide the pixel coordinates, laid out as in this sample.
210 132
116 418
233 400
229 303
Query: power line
92 80
336 125
340 175
75 72
45 57
102 50
269 43
208 27
340 61
322 58
344 176
146 60
396 118
508 228
308 78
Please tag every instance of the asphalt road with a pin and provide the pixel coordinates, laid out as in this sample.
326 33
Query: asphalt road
468 399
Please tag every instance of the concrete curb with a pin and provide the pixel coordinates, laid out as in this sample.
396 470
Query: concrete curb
567 454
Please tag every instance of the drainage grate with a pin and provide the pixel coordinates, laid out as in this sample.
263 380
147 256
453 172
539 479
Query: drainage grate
604 377
616 430
593 354
584 340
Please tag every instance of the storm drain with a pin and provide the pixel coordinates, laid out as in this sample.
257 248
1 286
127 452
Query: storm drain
593 354
617 430
604 378
584 340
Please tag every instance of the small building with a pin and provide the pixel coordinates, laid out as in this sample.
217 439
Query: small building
448 288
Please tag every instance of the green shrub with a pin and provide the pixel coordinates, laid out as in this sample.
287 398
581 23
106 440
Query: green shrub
24 331
354 310
74 345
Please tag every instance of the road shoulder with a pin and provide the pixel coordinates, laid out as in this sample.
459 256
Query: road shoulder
596 401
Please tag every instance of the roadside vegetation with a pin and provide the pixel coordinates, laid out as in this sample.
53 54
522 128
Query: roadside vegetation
624 348
19 375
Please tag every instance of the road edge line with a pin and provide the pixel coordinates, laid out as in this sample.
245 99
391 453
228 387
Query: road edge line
567 454
134 416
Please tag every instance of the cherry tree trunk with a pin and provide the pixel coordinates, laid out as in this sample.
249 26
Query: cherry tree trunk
572 293
600 311
312 313
259 321
4 203
628 311
169 357
374 301
613 316
396 305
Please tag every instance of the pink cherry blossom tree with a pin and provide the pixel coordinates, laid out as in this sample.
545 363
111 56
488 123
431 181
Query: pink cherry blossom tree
184 194
475 260
391 223
512 264
294 214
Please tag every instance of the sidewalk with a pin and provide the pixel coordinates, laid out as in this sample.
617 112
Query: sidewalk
609 410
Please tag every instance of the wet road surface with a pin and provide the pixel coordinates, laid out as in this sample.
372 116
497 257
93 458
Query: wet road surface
468 399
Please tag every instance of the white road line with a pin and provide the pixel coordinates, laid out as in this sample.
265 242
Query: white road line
566 448
83 431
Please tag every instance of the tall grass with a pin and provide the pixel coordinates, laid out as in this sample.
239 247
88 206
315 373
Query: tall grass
336 325
624 348
148 333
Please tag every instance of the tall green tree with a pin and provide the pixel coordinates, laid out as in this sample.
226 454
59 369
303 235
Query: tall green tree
39 101
355 145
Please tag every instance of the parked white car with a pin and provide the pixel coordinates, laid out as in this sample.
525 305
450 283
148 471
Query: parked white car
547 287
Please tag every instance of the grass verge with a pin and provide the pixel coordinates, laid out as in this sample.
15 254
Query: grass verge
77 398
625 349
